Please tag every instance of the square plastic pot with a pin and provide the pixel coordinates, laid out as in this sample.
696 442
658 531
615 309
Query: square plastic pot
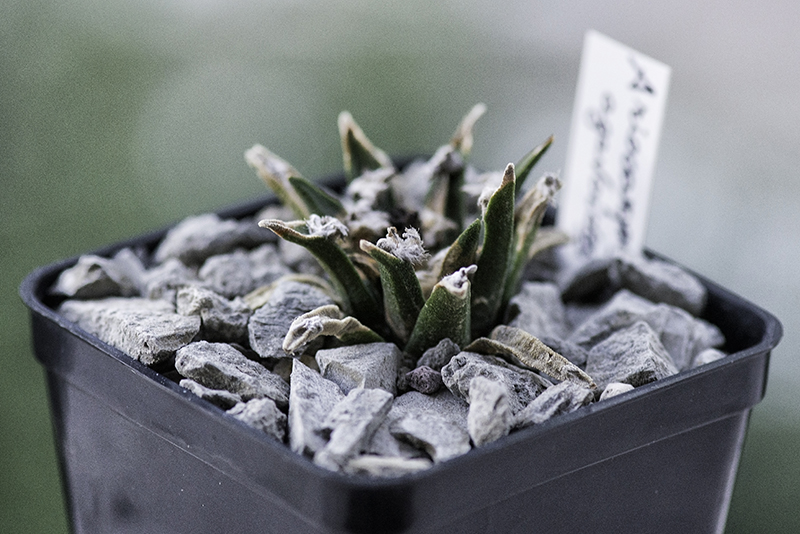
138 453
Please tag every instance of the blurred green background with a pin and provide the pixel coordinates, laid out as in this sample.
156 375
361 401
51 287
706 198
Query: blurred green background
119 117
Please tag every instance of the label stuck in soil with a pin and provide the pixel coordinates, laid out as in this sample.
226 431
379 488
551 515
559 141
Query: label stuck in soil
616 126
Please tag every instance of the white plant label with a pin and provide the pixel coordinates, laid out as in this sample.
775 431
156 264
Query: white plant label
616 126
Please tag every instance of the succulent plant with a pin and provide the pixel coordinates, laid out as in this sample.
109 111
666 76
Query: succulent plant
431 251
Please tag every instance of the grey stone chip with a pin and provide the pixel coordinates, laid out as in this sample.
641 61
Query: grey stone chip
270 323
262 414
633 355
383 443
220 366
588 281
707 356
351 424
621 311
538 310
219 397
386 466
310 401
613 389
521 385
371 365
681 334
93 277
222 319
438 356
651 278
196 238
164 280
147 330
490 416
660 281
240 272
561 398
435 423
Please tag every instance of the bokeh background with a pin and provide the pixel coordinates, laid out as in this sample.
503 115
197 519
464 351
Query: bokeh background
119 117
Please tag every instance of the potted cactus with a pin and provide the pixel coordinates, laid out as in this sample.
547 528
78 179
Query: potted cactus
411 364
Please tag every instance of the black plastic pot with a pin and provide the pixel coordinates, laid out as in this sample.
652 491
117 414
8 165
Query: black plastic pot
139 453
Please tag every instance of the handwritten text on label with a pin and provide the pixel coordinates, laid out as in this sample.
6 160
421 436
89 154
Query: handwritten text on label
616 126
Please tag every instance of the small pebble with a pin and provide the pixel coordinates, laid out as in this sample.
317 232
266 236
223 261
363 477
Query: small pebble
425 380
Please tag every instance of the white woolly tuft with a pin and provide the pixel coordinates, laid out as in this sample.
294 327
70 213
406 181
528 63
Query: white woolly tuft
325 226
408 248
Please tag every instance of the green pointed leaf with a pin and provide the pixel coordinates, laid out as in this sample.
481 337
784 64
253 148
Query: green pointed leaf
445 197
358 152
531 158
402 294
359 299
276 173
454 202
327 321
316 199
463 250
446 314
495 256
528 219
522 348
